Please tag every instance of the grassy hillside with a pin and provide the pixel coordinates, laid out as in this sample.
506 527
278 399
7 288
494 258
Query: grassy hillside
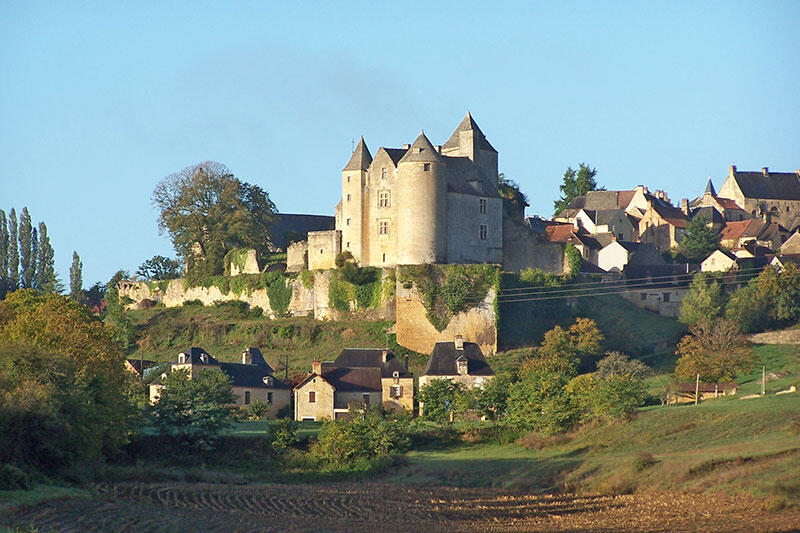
224 330
728 444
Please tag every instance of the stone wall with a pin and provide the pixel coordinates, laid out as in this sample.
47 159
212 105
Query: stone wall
523 248
414 331
297 256
787 336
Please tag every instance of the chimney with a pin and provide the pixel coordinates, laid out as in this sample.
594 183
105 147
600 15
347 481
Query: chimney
438 148
384 355
405 362
459 342
732 169
406 146
765 171
247 357
685 206
316 367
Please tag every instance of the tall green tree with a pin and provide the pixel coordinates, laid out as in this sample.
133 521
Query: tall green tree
208 212
438 398
27 249
704 301
13 251
575 183
159 267
46 280
699 241
3 254
76 277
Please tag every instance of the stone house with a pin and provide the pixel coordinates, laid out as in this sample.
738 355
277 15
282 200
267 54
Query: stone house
662 225
613 221
768 234
358 376
617 254
718 261
250 380
657 288
792 245
727 208
459 361
776 194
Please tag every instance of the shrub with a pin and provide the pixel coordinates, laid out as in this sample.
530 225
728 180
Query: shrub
283 434
308 279
258 409
642 460
193 303
13 478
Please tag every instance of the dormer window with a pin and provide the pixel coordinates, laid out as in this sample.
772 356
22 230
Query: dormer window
267 381
181 358
462 366
396 374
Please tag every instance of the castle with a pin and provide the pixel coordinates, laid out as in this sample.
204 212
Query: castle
414 205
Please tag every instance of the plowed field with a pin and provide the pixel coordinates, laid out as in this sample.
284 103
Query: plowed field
374 506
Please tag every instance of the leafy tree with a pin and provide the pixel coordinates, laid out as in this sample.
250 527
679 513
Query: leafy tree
699 241
119 321
159 267
493 399
13 252
94 295
716 350
76 277
578 345
514 200
575 183
283 434
787 294
438 398
62 382
4 238
752 308
704 301
27 249
573 259
197 409
208 212
540 401
46 279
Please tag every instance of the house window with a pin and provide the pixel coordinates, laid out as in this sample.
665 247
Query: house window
426 167
312 396
348 222
621 236
383 173
269 398
484 232
383 227
365 397
383 199
348 197
396 391
643 296
247 397
482 205
666 297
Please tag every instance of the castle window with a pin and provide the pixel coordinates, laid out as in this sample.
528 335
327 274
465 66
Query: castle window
348 197
384 258
348 179
383 199
383 227
482 205
247 397
348 221
426 167
484 232
348 244
269 398
312 396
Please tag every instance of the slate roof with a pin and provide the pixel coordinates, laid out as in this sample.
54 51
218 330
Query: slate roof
395 154
285 225
257 359
361 157
442 361
710 188
596 200
461 172
372 358
596 241
709 213
468 124
195 355
421 151
673 215
250 376
772 185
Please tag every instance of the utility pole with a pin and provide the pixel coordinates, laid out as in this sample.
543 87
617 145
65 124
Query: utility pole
697 390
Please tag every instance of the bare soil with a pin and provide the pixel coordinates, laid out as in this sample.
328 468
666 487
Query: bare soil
372 506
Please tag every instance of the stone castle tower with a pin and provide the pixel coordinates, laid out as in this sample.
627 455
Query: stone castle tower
422 203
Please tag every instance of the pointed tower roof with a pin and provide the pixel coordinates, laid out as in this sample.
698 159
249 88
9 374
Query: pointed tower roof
361 157
422 151
710 188
468 124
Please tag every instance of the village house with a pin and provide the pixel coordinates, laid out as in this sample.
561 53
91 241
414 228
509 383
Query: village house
657 288
662 225
459 361
727 208
792 245
768 234
138 366
776 194
357 377
250 380
617 254
718 261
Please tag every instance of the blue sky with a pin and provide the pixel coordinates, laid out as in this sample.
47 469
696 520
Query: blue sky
100 100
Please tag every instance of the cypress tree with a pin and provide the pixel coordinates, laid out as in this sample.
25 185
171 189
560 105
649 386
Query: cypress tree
76 277
27 250
3 254
46 280
13 252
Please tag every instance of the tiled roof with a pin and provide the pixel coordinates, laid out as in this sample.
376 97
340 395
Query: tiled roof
774 185
361 157
752 227
468 124
624 198
792 244
442 361
728 203
559 232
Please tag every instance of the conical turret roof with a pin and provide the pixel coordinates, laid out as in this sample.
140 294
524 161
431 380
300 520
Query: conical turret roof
422 151
468 124
710 188
361 157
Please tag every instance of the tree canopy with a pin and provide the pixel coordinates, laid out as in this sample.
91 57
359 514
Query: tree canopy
699 241
575 183
159 267
704 301
207 212
716 350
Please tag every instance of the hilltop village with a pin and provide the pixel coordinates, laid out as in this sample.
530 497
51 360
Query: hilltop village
426 205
